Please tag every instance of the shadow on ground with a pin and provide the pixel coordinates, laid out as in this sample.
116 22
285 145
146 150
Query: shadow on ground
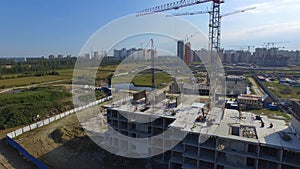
10 158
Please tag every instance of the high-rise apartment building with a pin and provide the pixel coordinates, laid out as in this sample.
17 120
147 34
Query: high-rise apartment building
180 49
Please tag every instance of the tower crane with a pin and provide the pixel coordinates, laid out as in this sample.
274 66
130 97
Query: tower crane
267 44
214 29
214 36
249 47
209 12
214 32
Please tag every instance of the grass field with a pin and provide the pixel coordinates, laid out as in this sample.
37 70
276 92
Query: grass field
276 88
103 73
22 107
23 81
145 79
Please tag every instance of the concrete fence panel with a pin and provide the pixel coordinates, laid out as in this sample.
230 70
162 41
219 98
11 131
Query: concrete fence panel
11 135
51 119
18 132
46 121
33 126
26 128
39 123
57 117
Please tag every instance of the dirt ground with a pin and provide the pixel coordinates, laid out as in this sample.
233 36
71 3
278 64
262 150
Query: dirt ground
9 157
63 144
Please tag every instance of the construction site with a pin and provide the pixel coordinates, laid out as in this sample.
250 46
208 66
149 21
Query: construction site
212 139
182 125
190 131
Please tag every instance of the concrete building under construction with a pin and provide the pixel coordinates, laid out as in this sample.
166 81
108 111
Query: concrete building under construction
218 139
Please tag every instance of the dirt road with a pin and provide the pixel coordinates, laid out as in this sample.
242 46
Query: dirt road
255 87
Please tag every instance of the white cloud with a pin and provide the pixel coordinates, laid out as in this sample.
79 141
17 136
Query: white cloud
264 31
270 19
274 7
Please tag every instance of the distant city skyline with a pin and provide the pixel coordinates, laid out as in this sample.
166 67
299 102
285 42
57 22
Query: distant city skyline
36 28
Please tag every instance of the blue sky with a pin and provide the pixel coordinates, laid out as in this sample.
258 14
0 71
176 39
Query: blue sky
43 27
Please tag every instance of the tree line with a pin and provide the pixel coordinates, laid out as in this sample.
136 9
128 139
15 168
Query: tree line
34 65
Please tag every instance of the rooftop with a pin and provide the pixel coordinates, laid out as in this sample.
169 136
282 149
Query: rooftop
277 136
235 77
231 124
160 104
249 97
261 78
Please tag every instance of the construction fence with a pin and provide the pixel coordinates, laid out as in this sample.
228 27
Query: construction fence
20 131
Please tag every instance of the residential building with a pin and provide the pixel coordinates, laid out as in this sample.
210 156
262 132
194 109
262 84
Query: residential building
51 56
187 53
120 54
20 60
134 53
87 56
269 57
180 49
96 55
236 57
60 56
294 56
201 56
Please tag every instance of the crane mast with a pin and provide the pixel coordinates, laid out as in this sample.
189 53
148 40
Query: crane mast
214 27
214 49
214 31
215 18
